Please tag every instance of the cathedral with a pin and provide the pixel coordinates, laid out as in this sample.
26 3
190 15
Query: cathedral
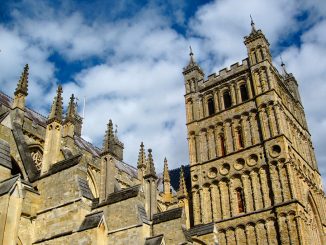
252 176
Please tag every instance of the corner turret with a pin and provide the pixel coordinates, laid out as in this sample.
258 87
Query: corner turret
150 186
112 144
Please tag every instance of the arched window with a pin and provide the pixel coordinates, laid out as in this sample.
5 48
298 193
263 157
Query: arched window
222 145
241 205
211 107
244 92
227 99
240 138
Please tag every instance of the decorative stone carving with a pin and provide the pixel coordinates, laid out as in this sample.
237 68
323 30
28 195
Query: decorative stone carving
37 157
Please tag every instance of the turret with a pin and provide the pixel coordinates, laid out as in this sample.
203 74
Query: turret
141 163
52 143
192 74
257 46
21 92
69 122
291 83
150 186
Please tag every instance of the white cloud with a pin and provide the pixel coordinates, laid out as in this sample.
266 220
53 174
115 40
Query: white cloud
138 81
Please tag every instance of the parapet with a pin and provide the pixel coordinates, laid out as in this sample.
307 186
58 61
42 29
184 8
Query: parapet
225 74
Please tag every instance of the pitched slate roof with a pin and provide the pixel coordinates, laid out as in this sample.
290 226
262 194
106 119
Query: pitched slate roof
121 195
91 221
154 240
6 185
200 230
5 159
167 215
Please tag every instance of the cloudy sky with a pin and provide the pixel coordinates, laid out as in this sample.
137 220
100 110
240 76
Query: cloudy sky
126 57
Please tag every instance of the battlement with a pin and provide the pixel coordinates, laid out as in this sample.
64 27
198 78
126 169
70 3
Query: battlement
224 74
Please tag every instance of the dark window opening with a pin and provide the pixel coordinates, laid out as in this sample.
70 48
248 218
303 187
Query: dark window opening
223 148
241 206
240 138
15 168
227 99
244 92
211 107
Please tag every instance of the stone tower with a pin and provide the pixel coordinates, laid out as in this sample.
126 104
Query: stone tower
253 169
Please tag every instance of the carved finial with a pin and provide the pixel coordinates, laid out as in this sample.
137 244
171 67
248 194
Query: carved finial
182 185
22 86
253 28
166 175
141 157
56 109
150 168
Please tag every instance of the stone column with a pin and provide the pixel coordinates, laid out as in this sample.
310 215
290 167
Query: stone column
249 88
284 182
216 202
261 233
192 149
228 136
292 229
272 121
291 177
256 190
233 96
275 183
230 238
245 131
254 128
284 229
196 207
271 232
217 100
211 143
247 192
265 188
240 236
250 232
224 199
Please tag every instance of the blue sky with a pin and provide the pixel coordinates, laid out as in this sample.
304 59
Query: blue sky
126 58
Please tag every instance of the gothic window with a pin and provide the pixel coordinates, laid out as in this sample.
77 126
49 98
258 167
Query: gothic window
261 53
227 99
37 157
240 138
240 199
222 145
211 107
244 92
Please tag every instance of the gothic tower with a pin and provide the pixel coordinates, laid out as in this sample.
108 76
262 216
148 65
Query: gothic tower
253 170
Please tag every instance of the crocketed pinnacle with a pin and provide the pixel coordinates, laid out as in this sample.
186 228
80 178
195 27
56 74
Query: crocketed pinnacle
109 137
56 109
141 163
71 111
150 168
22 86
166 175
182 184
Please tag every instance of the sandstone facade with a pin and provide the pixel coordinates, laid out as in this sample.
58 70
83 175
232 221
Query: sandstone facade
252 176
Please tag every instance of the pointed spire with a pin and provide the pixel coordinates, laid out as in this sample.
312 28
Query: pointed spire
182 184
141 157
191 54
150 168
253 27
284 72
109 137
56 109
22 86
166 175
71 111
